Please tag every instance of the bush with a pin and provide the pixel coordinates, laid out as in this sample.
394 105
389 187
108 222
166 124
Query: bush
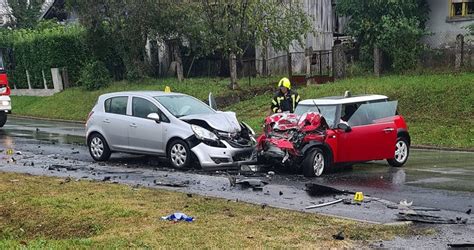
48 46
94 75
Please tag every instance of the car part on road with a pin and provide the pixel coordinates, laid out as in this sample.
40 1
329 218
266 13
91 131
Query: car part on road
253 183
325 204
169 184
98 147
317 190
427 218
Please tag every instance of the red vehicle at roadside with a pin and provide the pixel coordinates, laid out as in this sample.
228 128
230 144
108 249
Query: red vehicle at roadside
5 102
336 131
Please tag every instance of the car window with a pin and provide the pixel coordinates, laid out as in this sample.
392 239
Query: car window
370 112
142 107
116 105
183 105
327 111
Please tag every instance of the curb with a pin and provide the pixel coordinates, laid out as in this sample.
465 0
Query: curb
47 119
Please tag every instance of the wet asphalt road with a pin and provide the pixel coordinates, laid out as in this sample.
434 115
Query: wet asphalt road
431 178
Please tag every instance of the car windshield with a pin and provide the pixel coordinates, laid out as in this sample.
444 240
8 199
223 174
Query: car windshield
182 105
327 111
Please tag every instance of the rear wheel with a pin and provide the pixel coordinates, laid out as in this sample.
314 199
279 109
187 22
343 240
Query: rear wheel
3 119
315 163
98 147
402 150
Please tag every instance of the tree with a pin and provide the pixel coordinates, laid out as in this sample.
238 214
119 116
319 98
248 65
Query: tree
117 33
24 13
230 26
394 26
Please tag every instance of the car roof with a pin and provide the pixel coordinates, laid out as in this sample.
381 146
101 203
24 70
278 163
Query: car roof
142 93
334 100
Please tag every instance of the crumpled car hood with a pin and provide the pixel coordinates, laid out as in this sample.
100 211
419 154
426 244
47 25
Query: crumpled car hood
222 121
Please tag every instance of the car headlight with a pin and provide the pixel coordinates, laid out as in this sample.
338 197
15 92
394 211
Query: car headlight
203 134
252 132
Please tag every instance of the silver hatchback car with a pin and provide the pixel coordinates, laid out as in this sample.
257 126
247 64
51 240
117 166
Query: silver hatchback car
176 126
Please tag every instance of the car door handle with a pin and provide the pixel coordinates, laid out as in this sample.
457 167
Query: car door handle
133 125
106 121
388 130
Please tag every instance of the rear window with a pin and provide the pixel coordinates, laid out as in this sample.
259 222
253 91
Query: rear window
116 105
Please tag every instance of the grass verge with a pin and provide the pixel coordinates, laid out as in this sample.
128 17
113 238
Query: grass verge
44 212
76 103
439 109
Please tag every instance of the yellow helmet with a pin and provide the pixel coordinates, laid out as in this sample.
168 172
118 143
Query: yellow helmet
285 82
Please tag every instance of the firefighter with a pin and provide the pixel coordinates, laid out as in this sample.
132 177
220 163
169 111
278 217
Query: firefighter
285 99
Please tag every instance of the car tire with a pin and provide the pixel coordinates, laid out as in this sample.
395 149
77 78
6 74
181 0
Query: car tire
315 163
179 155
402 150
98 147
3 119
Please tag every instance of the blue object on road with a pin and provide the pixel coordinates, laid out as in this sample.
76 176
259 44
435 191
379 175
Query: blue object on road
178 217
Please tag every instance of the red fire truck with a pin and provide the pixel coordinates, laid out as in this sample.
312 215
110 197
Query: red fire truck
5 102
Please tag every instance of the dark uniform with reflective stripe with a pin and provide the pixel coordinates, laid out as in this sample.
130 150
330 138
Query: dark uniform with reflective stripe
286 102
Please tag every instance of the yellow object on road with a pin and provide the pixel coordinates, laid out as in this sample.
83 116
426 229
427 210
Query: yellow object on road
359 197
167 89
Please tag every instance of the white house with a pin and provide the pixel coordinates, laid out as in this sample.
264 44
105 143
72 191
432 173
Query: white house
447 19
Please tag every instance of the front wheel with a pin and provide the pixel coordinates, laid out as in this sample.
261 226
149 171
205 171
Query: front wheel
402 150
179 154
315 163
3 119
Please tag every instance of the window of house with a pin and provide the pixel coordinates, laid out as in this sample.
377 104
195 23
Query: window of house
461 8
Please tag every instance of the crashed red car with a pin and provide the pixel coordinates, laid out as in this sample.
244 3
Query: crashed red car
335 131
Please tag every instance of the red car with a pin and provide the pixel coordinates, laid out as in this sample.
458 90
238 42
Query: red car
335 131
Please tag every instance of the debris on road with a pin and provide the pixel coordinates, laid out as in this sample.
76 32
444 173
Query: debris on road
427 218
58 167
178 217
106 178
317 190
169 184
253 183
468 212
325 204
406 203
461 245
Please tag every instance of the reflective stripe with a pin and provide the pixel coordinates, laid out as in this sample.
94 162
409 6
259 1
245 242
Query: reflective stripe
275 109
298 99
294 103
274 102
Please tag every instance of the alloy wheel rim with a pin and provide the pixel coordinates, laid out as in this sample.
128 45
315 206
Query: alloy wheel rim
97 147
318 164
178 155
401 151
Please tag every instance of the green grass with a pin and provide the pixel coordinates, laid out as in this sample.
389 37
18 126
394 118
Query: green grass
44 212
76 103
439 109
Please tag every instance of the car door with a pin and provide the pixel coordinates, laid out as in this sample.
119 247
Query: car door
369 138
145 135
115 122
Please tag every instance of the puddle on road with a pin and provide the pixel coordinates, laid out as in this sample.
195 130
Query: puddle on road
8 135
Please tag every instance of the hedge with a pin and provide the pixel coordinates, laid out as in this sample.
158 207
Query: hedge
41 49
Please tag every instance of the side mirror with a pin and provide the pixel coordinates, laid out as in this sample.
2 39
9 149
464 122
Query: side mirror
154 116
212 102
344 127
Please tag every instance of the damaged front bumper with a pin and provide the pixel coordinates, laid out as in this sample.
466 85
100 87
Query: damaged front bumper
225 156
